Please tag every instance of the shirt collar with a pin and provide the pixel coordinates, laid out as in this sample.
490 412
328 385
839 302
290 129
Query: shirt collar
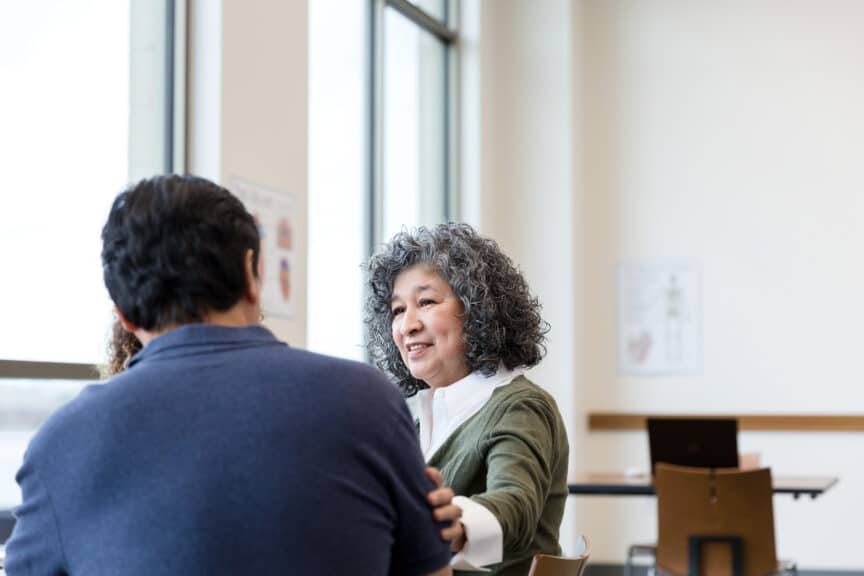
469 394
209 336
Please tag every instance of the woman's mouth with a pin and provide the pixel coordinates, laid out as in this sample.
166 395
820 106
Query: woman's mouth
417 349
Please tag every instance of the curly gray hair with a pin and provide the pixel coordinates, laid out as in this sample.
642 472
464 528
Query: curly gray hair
502 322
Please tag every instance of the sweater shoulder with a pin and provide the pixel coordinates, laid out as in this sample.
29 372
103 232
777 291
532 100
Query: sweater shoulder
520 391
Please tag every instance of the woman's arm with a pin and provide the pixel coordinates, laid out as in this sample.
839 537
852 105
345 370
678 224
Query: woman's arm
521 452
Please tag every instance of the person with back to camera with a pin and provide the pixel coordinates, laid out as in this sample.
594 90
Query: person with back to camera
449 315
219 449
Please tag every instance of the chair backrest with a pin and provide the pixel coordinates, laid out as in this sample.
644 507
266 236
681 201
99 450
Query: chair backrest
703 502
546 565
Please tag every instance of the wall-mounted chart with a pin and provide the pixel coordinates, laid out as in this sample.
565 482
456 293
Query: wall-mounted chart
659 319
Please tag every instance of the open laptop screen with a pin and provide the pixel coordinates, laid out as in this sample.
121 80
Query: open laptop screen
698 442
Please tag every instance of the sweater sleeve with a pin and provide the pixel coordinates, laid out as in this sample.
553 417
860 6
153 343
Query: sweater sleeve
520 451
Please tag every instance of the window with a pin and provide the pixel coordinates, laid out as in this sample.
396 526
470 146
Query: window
88 105
413 88
338 165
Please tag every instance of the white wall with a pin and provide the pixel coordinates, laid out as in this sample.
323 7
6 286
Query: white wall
248 111
724 132
730 133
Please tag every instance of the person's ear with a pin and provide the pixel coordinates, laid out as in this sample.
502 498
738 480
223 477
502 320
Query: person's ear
127 325
144 336
253 282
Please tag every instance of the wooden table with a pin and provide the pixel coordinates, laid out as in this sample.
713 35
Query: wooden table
611 484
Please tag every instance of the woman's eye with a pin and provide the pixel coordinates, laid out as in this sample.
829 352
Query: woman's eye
426 302
398 310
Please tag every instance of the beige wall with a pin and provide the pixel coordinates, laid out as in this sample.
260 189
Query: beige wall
248 111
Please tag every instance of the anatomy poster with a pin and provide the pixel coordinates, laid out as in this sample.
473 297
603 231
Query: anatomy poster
659 319
274 216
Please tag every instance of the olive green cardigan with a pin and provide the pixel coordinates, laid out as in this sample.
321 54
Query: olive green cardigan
511 457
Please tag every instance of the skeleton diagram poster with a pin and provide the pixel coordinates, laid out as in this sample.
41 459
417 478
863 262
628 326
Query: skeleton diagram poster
659 319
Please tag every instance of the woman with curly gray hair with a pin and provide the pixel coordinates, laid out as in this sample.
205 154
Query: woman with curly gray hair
451 319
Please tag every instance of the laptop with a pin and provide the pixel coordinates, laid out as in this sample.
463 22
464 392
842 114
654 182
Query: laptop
697 442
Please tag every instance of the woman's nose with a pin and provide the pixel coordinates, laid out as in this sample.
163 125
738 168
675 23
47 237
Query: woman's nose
410 322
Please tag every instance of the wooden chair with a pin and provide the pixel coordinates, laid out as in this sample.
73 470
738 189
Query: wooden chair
713 522
746 460
546 565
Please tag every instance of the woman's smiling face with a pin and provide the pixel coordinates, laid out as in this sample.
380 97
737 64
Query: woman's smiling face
428 326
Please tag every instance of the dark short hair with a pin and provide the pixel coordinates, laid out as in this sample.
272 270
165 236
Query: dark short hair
501 323
173 250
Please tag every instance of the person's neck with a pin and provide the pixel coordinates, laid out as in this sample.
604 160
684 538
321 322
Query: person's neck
238 316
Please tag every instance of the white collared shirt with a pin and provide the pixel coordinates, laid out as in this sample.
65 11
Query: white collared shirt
440 412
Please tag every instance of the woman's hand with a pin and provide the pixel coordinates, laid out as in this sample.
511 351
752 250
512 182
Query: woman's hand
443 510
